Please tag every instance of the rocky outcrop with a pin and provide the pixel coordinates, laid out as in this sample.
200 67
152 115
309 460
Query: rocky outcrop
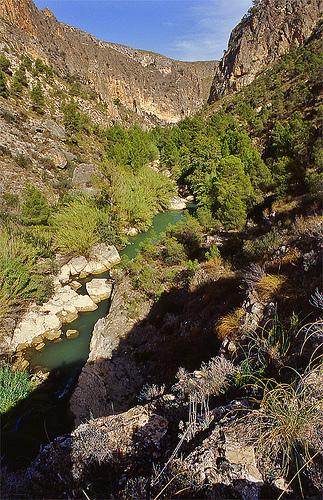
267 32
147 85
99 448
109 381
43 322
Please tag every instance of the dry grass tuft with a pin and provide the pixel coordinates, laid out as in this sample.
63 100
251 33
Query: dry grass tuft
270 285
287 426
230 324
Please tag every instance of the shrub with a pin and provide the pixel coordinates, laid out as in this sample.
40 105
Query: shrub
285 430
34 208
213 253
4 92
230 324
76 226
172 252
37 98
265 245
4 63
213 379
19 81
14 386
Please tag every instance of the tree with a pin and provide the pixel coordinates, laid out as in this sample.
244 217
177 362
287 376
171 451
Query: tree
19 80
34 209
4 64
37 98
231 192
3 85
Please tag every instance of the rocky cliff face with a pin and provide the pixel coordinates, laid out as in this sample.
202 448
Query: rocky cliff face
151 85
267 32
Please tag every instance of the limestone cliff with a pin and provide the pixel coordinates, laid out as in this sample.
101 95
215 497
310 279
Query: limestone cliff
158 88
268 31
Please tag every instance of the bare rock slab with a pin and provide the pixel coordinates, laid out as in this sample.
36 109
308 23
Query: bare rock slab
99 289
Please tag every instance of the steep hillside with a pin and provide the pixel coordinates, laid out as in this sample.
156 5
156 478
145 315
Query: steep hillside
267 32
153 86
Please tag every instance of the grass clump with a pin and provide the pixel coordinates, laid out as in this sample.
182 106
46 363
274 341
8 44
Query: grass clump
14 386
286 427
230 324
269 285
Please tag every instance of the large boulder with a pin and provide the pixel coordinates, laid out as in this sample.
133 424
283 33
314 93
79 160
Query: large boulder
99 289
102 258
55 130
83 177
177 203
58 157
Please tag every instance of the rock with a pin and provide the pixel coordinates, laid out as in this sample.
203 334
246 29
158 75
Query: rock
72 334
99 289
261 38
177 203
40 346
189 198
47 319
84 303
75 285
83 177
21 364
77 265
55 130
64 275
102 258
64 468
132 231
53 335
167 173
58 158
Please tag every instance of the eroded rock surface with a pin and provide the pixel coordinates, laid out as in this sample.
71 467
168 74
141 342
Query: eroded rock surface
265 34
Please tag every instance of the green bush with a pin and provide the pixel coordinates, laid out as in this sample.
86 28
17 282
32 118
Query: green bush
19 81
34 207
4 63
4 92
37 98
14 386
76 226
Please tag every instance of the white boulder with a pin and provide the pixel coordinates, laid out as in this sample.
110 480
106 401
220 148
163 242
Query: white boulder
177 203
99 289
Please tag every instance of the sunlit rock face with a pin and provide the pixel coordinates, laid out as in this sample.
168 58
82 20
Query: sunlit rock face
270 29
149 86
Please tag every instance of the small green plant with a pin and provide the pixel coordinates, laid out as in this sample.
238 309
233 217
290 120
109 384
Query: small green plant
19 81
14 386
213 253
34 208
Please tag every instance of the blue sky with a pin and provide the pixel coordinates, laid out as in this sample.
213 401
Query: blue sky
183 29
